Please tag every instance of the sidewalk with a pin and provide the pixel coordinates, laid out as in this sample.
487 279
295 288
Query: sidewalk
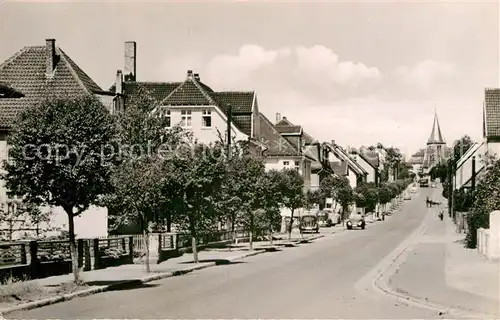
439 270
40 292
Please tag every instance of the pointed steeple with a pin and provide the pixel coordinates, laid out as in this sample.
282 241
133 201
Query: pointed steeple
436 137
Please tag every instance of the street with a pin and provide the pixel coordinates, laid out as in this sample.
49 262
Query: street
315 280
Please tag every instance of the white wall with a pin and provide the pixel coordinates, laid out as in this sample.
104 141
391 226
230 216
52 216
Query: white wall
92 223
365 165
203 134
464 172
494 149
314 181
351 176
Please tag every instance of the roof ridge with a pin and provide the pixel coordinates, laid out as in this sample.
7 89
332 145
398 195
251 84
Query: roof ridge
206 95
14 57
276 131
72 70
153 82
252 91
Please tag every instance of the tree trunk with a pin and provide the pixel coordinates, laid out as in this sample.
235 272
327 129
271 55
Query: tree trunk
195 250
290 227
169 222
192 229
272 236
145 234
72 246
250 234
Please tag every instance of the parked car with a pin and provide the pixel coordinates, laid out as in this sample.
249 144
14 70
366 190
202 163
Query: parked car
433 185
309 223
413 190
407 196
356 220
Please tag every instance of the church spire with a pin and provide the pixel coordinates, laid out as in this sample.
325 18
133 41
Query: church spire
436 137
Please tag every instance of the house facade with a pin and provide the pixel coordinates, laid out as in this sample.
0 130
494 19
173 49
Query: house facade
369 161
193 105
27 77
344 165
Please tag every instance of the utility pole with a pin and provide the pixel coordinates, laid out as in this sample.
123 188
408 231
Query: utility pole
229 120
473 177
450 189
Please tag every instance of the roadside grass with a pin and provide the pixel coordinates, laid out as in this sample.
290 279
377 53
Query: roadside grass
14 291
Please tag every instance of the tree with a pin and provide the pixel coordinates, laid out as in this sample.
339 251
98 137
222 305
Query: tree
313 198
293 195
198 173
57 157
141 194
486 200
250 187
461 146
366 196
269 216
343 194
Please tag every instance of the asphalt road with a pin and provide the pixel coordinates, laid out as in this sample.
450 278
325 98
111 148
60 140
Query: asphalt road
316 280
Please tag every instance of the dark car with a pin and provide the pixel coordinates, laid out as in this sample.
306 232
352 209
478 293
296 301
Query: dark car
356 221
309 223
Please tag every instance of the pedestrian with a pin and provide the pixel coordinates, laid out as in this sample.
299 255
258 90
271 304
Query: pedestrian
427 201
441 215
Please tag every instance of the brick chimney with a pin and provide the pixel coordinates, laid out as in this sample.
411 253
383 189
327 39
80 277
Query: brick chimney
278 117
332 142
119 82
50 56
197 76
130 60
190 74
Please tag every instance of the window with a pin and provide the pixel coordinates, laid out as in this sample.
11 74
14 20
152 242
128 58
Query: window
186 118
207 119
297 165
286 163
166 114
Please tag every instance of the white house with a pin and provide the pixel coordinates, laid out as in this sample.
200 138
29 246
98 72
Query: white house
343 165
463 175
369 161
25 78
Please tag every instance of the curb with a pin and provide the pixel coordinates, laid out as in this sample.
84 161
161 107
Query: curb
397 258
114 286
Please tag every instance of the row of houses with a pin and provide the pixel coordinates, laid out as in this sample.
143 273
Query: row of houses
37 71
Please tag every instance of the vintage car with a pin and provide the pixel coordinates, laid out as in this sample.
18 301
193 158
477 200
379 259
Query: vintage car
309 223
356 220
407 196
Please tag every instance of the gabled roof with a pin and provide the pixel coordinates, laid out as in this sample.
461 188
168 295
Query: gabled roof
193 92
339 167
492 112
190 93
469 153
436 137
277 145
342 155
24 73
371 158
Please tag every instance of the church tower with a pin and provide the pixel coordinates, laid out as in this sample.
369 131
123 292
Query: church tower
435 152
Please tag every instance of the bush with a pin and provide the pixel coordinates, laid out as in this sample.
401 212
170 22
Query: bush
475 221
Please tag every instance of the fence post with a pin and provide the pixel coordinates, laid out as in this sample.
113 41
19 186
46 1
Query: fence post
124 245
131 247
24 259
33 259
79 246
86 251
97 258
160 239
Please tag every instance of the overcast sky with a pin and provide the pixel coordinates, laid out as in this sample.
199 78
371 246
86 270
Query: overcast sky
355 72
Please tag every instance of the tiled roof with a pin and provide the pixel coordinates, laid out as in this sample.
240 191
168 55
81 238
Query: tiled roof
492 110
339 168
371 158
307 138
158 90
25 73
289 129
194 92
277 145
344 157
191 93
240 101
